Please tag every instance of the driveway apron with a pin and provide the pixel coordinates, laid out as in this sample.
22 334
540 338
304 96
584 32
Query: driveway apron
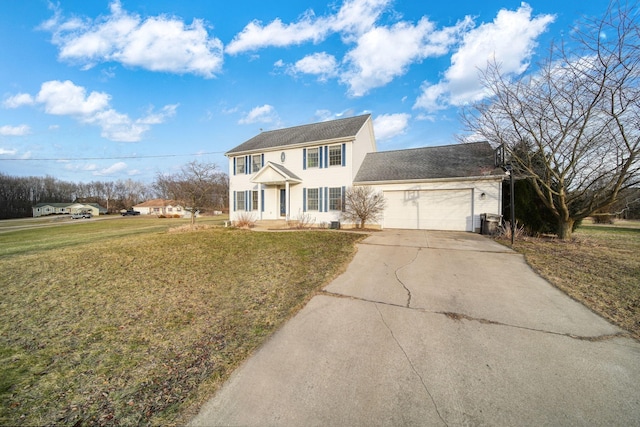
436 328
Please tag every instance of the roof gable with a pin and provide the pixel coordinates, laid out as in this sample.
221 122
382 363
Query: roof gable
316 132
273 173
448 161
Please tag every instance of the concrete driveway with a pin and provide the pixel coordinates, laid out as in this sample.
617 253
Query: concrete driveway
436 328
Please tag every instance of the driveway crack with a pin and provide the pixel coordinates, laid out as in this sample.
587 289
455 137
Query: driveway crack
401 282
460 316
413 368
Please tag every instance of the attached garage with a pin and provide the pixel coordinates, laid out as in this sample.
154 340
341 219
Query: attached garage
435 188
429 209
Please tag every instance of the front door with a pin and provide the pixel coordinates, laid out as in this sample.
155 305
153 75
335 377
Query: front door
283 202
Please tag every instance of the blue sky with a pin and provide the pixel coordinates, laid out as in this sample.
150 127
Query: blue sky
117 89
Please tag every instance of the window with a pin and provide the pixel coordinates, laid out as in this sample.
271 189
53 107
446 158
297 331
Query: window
335 199
312 158
254 200
312 199
256 163
239 165
240 200
335 155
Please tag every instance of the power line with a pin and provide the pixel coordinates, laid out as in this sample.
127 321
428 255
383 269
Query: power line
112 158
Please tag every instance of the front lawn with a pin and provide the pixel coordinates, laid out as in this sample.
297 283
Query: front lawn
600 267
141 328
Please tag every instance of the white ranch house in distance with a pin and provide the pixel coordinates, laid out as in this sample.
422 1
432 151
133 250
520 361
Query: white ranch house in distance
303 172
164 207
43 209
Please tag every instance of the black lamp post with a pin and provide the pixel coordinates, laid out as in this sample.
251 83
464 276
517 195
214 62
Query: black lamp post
508 168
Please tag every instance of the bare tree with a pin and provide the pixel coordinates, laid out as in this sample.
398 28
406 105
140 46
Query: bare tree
362 205
572 127
196 186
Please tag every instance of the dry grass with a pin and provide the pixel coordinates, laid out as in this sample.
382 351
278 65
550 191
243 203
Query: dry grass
600 267
141 329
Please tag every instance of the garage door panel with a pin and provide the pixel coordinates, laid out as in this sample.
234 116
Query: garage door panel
429 209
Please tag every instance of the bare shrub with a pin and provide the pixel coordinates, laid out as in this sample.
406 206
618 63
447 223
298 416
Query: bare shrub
504 231
602 218
302 221
245 220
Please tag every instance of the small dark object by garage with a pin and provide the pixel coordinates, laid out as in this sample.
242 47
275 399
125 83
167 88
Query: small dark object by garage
335 225
489 223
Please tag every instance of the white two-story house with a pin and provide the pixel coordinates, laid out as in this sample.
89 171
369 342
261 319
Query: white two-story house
298 171
302 172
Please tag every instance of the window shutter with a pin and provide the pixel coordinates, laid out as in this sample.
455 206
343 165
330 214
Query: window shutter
304 159
326 199
262 161
234 166
343 190
344 157
326 156
262 195
320 158
304 200
234 195
250 165
247 165
246 207
320 200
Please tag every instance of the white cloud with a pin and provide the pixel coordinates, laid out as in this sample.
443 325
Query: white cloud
18 100
384 53
381 53
255 35
321 64
160 43
114 169
354 17
66 98
387 126
326 115
9 152
14 130
263 114
510 40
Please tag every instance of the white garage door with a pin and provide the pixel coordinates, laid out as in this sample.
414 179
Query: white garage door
429 209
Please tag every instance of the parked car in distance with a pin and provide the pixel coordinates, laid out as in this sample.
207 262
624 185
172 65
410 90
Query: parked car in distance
80 215
130 212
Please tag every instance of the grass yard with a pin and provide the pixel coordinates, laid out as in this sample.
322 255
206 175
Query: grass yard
120 322
600 268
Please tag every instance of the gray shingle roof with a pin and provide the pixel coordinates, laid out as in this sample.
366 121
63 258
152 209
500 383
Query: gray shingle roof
448 161
342 128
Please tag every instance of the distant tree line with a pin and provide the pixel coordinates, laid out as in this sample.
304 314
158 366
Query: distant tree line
18 195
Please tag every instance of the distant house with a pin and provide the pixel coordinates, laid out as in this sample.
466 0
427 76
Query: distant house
305 170
43 209
164 207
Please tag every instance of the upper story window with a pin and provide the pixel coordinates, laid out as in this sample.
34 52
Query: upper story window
256 163
313 157
240 166
335 155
